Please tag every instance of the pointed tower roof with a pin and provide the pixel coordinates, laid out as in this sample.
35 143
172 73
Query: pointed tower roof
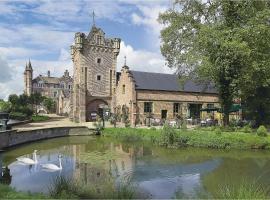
29 66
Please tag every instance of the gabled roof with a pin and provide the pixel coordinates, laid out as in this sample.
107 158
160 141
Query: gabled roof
168 82
46 79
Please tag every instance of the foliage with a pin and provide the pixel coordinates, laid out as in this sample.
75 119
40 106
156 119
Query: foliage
20 104
168 135
225 42
262 131
246 190
18 116
40 118
124 116
49 104
246 129
65 188
35 100
7 192
5 106
218 131
113 119
194 138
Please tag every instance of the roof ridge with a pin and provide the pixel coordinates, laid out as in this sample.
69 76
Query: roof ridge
152 72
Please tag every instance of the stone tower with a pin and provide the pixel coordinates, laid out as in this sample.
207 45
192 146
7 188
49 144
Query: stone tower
28 77
94 66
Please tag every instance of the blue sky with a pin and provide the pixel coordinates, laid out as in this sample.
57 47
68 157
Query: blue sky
43 30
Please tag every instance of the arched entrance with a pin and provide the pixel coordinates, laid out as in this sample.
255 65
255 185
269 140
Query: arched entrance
95 108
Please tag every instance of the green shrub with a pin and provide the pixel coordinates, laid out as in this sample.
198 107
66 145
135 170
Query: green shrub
246 129
40 118
153 128
168 135
262 131
218 131
184 125
18 116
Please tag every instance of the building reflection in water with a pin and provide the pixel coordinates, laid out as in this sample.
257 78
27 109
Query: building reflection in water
118 165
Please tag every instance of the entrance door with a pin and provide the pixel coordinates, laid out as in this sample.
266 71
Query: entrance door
163 114
94 109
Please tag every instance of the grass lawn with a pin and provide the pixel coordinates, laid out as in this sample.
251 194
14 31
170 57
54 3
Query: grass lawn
39 118
209 138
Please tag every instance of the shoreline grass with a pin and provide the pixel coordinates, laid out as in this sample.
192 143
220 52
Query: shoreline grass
215 139
7 192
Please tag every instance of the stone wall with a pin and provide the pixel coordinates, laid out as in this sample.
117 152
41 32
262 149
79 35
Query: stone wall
146 95
94 58
128 96
12 138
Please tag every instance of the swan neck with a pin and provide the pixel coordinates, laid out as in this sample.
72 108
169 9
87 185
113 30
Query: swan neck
60 163
35 156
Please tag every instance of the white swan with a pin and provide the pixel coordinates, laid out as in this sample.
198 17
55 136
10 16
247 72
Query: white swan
29 161
52 167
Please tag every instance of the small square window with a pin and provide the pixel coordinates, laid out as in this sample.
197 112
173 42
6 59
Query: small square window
99 60
98 77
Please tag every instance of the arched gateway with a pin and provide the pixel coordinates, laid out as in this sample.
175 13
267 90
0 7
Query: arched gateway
95 108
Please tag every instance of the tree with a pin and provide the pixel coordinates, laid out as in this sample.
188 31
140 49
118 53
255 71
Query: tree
215 40
13 99
5 106
49 104
36 100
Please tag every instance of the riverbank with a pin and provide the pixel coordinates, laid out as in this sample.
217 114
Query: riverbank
206 138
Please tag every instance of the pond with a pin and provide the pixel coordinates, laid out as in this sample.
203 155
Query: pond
156 171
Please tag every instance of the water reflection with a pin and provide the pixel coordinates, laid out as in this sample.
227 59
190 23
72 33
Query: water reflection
5 177
158 172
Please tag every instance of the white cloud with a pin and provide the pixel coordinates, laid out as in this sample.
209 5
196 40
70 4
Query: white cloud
6 70
20 52
141 60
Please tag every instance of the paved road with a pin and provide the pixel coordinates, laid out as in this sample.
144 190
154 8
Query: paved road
55 121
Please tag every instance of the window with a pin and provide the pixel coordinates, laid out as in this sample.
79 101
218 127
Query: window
210 105
98 77
99 60
99 39
123 89
148 107
176 107
55 94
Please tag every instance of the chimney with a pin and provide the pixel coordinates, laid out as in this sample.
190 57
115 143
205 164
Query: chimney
66 74
49 73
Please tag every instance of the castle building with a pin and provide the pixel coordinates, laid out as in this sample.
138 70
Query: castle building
94 57
57 88
140 94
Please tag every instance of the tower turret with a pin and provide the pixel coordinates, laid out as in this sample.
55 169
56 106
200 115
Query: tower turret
28 76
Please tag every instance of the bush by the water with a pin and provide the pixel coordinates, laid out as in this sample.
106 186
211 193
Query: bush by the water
168 135
262 131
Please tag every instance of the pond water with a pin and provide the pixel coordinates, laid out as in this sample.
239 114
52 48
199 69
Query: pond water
156 171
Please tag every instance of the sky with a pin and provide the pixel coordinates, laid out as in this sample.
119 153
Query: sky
43 30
